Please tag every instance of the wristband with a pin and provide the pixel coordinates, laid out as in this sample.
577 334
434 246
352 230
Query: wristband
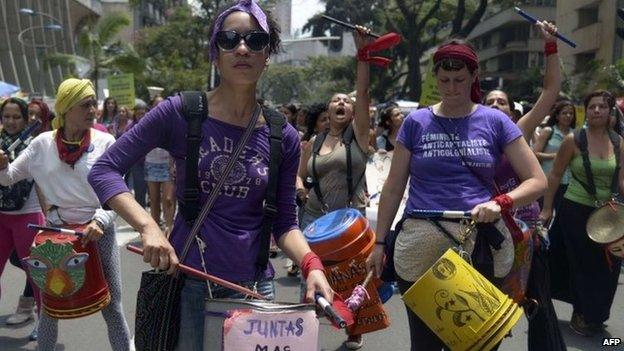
363 54
550 48
504 201
310 262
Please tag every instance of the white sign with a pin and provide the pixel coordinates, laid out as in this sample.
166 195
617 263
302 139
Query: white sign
249 330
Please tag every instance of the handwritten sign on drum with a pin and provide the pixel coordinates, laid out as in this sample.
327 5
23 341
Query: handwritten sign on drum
271 331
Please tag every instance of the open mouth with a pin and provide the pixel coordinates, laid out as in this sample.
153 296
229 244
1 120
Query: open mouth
340 111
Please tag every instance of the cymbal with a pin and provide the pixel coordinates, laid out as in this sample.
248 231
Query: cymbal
606 223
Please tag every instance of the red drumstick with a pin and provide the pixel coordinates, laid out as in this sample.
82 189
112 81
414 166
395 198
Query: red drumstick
205 276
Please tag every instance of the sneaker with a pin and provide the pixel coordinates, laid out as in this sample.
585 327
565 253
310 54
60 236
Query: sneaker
579 326
354 342
34 333
25 311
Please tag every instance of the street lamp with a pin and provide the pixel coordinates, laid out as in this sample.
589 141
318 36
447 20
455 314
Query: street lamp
41 45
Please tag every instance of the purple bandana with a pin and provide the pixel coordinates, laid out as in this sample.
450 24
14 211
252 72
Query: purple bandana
248 6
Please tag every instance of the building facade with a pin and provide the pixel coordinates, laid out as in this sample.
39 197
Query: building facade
592 24
507 44
31 28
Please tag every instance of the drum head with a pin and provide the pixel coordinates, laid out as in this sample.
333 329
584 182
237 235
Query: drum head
332 225
606 223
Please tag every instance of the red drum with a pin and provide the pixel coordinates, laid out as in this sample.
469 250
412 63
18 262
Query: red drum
69 276
343 240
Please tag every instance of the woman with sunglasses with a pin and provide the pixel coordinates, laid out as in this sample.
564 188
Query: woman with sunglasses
59 162
243 37
593 272
450 151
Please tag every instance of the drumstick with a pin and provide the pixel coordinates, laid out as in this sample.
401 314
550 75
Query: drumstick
331 312
205 276
347 25
533 20
56 229
23 136
441 213
369 276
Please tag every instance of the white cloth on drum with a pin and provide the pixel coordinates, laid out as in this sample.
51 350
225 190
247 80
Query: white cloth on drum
420 244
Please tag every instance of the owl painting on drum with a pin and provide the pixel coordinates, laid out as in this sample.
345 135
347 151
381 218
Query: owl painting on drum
56 268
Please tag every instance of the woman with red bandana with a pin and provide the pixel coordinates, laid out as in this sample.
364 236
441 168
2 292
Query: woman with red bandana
450 151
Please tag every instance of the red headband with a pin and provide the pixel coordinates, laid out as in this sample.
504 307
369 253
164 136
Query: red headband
465 54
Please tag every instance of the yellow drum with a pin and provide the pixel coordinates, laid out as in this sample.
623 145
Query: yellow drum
461 306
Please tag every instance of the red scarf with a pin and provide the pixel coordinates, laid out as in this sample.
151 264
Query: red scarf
468 56
70 153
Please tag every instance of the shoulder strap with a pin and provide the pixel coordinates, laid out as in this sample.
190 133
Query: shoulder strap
316 148
615 140
347 138
195 108
276 123
580 138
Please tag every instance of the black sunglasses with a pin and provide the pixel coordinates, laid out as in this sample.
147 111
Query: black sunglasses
228 40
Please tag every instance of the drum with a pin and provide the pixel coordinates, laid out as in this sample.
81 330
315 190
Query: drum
460 306
237 325
606 226
517 280
343 240
69 276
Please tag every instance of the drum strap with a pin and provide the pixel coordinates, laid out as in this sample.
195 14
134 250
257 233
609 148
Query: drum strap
347 140
580 138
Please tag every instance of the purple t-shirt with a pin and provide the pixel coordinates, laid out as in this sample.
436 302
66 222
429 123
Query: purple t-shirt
438 179
231 230
507 180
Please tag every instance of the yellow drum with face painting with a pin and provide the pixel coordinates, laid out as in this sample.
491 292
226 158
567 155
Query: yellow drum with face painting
461 306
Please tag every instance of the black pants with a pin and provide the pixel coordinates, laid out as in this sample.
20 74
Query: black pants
421 336
28 291
593 281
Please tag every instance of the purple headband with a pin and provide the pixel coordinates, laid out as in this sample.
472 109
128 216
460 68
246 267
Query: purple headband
248 6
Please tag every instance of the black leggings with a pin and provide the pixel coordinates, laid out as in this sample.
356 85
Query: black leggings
28 291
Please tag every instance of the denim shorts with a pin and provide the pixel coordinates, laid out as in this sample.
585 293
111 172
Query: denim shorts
157 172
192 300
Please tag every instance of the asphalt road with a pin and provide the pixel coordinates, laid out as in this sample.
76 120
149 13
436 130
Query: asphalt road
89 333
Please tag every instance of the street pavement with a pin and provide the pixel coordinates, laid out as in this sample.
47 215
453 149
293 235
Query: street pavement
89 333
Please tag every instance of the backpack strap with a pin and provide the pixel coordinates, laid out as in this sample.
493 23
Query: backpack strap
276 124
195 109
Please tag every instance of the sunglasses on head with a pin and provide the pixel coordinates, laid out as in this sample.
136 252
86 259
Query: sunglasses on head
228 40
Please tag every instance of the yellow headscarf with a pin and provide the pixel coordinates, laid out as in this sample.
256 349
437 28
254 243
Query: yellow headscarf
70 92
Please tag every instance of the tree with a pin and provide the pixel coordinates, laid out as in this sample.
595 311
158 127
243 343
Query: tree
100 49
419 22
176 56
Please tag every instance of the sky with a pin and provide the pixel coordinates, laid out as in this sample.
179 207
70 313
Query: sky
304 9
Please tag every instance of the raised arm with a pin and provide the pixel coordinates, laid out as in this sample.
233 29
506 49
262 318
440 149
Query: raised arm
362 86
552 84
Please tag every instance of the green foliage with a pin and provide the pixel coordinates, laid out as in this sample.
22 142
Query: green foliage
316 82
98 49
596 75
422 24
176 54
